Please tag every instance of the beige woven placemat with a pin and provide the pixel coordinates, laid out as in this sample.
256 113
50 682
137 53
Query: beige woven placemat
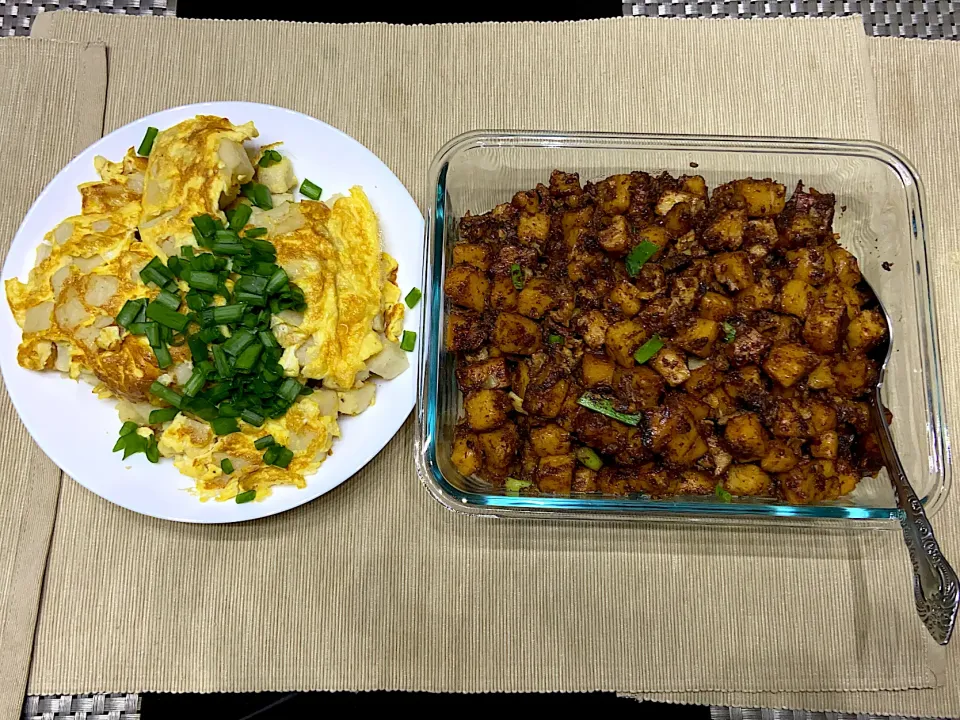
376 587
39 133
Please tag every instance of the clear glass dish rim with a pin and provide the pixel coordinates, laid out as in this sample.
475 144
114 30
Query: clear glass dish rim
489 505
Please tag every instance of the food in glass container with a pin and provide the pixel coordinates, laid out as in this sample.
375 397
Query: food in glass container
641 335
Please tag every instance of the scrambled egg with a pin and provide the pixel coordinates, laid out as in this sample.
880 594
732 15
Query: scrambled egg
89 265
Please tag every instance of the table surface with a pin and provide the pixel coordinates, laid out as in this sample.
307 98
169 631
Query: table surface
932 19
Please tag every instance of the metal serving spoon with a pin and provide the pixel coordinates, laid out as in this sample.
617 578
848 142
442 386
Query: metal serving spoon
936 589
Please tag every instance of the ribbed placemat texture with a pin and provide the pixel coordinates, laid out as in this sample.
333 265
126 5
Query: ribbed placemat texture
375 586
40 131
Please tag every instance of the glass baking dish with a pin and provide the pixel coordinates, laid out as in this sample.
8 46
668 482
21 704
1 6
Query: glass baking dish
879 218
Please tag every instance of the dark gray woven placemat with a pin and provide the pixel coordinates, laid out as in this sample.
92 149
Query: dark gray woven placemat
17 15
931 19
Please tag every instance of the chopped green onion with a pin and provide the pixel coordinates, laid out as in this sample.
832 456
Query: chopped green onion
252 417
311 190
152 452
138 328
156 272
245 497
639 255
516 275
589 458
226 466
250 299
227 314
167 317
729 332
289 390
513 486
723 493
224 425
264 442
283 456
166 394
261 197
227 236
269 157
413 297
650 348
127 428
198 348
205 225
229 410
228 248
255 232
202 280
152 331
239 217
169 299
271 454
175 266
555 339
605 407
128 313
162 415
408 341
251 284
195 383
248 358
164 359
277 281
223 366
238 342
267 339
211 334
146 145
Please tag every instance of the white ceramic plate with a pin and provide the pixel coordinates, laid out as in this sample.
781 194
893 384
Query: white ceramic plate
78 431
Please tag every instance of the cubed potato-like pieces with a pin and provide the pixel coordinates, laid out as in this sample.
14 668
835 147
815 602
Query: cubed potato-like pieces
527 200
533 228
761 198
615 238
503 294
477 255
564 183
733 270
698 336
623 339
845 266
466 456
536 298
673 434
584 480
703 380
759 296
825 445
811 481
614 194
499 448
821 377
855 375
465 332
544 395
698 410
489 374
715 306
787 363
603 434
835 294
625 298
597 370
812 265
823 416
748 347
550 440
726 231
638 385
745 479
572 223
746 385
679 218
867 330
612 481
592 327
746 436
780 457
824 328
796 298
468 287
720 403
555 474
652 480
516 334
787 421
671 365
486 409
696 482
657 235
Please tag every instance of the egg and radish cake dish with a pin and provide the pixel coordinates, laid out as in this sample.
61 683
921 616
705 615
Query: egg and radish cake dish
230 313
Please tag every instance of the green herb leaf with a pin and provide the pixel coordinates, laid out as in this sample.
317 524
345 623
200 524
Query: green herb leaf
513 486
269 157
516 275
605 407
650 348
723 494
555 339
729 332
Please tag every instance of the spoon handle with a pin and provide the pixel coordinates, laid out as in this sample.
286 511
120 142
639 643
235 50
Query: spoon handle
936 589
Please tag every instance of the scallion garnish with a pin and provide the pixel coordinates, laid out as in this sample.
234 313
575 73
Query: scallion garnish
146 145
269 157
310 190
226 466
413 297
639 255
162 415
255 232
264 442
224 425
245 497
165 316
166 394
408 341
516 276
605 407
128 313
650 348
